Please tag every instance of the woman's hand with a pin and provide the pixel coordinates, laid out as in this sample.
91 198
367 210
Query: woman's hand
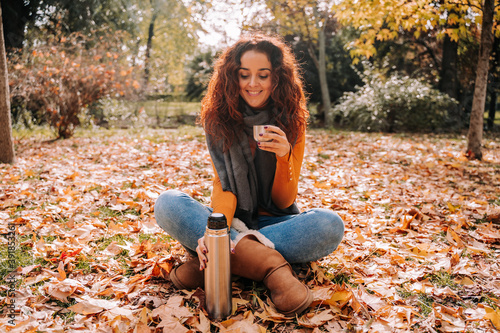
279 143
202 250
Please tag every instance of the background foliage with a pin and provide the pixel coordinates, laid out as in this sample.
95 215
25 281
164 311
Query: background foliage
393 104
161 44
58 80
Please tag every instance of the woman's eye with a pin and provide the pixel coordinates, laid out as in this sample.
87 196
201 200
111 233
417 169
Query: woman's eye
243 76
264 76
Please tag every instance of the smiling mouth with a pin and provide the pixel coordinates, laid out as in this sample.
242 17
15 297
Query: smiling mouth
254 93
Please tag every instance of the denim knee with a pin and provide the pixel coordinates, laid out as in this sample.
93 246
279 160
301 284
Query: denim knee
308 236
165 208
182 217
332 228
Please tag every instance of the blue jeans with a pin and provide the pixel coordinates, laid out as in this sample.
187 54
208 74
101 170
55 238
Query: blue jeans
301 238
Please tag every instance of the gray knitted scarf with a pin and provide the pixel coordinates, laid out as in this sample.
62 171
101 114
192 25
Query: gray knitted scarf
249 177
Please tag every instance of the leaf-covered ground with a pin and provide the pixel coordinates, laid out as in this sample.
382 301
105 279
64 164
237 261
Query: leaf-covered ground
420 254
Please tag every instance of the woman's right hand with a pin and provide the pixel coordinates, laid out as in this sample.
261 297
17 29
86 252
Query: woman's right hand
202 251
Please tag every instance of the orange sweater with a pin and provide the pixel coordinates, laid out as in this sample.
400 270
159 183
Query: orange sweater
285 186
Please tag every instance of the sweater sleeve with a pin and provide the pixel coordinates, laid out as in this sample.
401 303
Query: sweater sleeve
286 178
223 201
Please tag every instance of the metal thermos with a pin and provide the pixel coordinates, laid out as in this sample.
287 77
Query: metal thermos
218 270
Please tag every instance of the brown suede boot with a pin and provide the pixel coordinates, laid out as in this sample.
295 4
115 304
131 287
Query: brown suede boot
253 260
188 275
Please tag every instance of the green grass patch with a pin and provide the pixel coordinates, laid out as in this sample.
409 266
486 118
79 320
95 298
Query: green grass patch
84 264
14 255
423 301
340 279
103 242
70 302
36 133
154 238
49 239
107 214
442 279
168 109
66 316
489 299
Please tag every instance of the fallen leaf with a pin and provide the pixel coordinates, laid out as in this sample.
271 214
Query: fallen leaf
494 316
91 306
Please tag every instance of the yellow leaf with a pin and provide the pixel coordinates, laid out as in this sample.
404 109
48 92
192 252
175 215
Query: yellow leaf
452 208
494 316
62 273
465 281
339 296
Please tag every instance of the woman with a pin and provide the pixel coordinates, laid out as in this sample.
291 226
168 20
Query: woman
255 82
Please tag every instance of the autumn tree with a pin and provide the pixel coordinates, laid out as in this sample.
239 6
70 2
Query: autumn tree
167 34
475 135
446 19
87 16
61 77
21 17
6 145
308 19
162 33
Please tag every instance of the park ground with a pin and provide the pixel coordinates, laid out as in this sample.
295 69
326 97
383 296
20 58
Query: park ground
420 253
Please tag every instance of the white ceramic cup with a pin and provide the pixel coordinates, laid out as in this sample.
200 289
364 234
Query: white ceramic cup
257 130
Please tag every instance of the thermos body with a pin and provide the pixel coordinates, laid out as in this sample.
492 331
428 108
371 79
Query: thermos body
218 271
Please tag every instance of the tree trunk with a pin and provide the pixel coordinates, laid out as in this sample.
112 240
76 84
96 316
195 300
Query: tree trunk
149 46
475 135
448 82
495 71
325 93
6 145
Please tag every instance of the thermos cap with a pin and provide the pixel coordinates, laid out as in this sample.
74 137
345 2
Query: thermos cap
217 221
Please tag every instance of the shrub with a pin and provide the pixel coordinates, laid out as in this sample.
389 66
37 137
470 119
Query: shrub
393 104
116 113
61 76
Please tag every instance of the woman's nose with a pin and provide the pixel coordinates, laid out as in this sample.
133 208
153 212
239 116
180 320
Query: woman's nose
253 81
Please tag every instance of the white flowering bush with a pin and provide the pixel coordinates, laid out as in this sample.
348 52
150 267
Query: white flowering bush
393 104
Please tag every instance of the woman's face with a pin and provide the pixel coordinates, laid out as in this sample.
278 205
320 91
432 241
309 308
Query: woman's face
254 77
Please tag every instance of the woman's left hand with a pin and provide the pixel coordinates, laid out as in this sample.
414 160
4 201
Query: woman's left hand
278 143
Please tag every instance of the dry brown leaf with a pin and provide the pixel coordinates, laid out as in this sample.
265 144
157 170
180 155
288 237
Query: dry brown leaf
62 273
312 320
413 208
91 306
142 328
61 290
204 324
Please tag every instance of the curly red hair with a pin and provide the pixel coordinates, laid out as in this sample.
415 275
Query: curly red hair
220 116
